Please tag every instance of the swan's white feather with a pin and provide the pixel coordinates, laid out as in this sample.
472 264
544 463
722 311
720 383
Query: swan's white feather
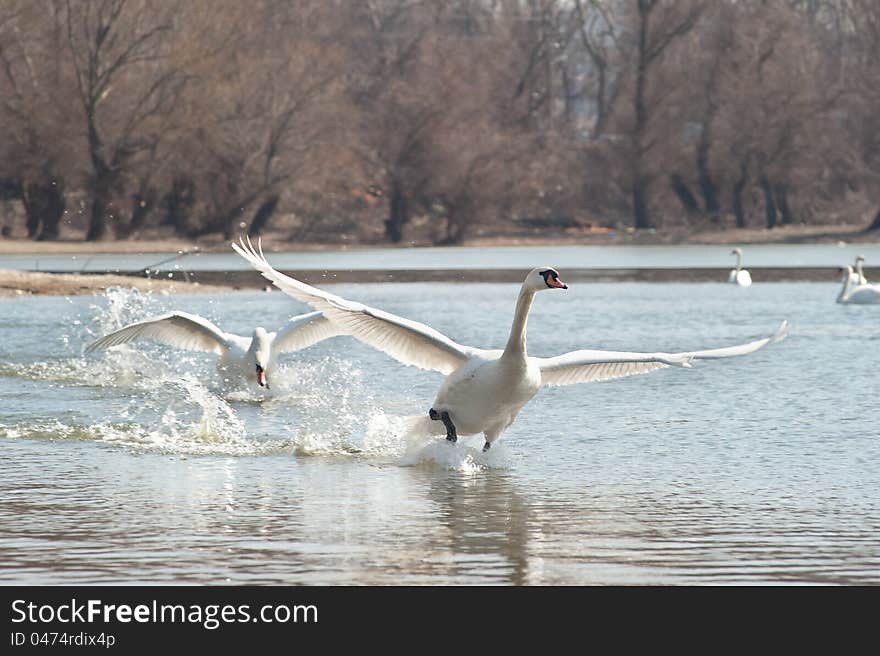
863 295
410 342
589 366
179 329
303 331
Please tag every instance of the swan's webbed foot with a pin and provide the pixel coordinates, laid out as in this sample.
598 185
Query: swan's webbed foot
451 435
486 446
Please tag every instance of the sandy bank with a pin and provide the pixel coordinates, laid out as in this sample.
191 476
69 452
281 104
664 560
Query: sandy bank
23 283
274 242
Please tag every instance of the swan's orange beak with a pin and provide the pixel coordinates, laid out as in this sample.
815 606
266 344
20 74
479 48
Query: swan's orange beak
556 282
261 377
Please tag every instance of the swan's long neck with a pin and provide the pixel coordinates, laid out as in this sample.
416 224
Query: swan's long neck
260 348
859 270
739 262
516 343
845 290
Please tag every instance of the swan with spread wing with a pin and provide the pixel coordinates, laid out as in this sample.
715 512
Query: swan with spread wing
252 360
484 390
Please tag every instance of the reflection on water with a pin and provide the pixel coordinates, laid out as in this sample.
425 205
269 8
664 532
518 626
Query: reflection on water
134 466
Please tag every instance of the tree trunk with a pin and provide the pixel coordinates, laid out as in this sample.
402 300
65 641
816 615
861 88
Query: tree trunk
398 213
54 210
230 223
31 210
103 181
142 203
738 188
262 216
601 111
641 214
99 221
44 206
708 189
769 203
685 195
455 225
179 203
781 195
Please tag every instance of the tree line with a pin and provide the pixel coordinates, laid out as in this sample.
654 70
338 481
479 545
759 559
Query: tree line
383 117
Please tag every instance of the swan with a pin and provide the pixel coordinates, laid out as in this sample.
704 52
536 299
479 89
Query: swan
739 276
856 294
484 390
252 360
858 276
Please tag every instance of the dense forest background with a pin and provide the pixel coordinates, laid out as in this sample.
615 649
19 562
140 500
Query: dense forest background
382 119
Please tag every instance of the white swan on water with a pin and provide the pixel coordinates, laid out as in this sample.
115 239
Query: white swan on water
484 389
857 277
856 294
249 359
739 276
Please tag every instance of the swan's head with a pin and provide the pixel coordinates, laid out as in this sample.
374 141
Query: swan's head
736 251
845 272
261 348
860 258
543 278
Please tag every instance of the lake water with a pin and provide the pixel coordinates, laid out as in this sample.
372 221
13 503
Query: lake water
131 466
500 257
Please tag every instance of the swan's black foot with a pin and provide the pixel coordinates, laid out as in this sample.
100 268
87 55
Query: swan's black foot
451 435
486 446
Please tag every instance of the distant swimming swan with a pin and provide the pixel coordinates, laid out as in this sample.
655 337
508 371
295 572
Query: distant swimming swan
856 294
484 389
739 276
858 276
252 360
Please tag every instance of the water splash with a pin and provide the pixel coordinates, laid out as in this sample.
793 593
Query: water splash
169 401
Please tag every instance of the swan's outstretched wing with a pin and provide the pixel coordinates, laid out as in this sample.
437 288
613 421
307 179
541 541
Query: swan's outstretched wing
588 366
410 342
185 331
302 331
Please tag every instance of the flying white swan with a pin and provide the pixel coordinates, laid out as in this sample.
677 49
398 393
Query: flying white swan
739 276
857 277
856 294
484 389
252 360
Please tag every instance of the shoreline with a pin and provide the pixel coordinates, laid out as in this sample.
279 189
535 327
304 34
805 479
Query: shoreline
15 283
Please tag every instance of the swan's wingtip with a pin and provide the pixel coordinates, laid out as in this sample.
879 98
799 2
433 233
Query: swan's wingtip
781 332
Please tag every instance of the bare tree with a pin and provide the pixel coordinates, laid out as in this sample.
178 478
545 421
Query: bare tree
36 153
125 83
657 27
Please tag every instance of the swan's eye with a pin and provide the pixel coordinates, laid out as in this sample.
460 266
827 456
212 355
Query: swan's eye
259 369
